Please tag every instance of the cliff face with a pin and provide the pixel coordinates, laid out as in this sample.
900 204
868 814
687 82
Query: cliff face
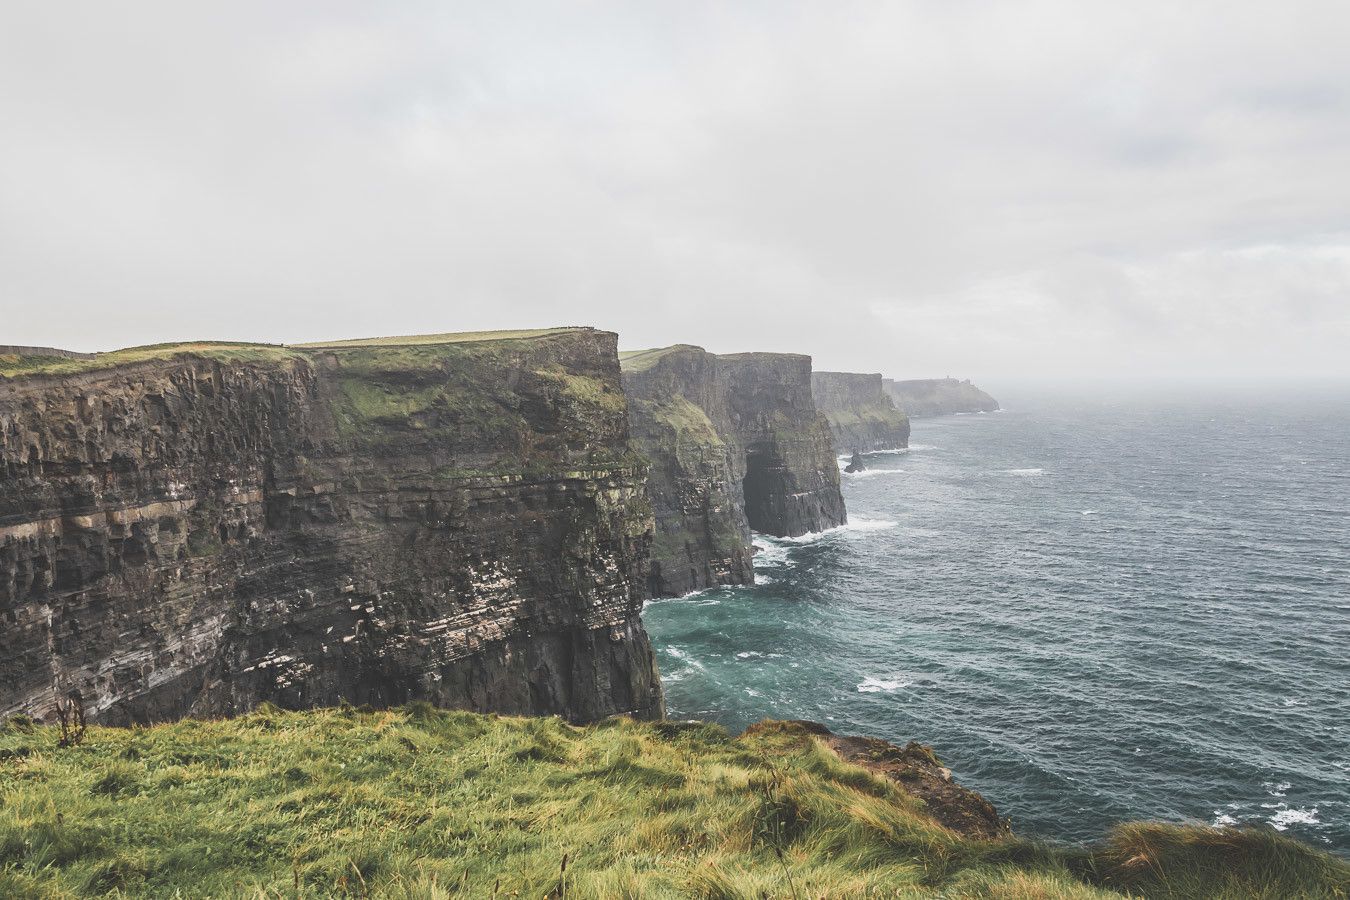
860 412
938 397
197 531
735 443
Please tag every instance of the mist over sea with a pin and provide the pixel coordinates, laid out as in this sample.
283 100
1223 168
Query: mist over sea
1096 607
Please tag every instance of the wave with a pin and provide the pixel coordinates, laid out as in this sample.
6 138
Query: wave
856 525
693 596
1277 790
1286 817
870 685
768 553
686 658
869 473
1024 473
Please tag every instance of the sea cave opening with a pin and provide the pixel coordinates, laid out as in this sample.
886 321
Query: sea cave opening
762 488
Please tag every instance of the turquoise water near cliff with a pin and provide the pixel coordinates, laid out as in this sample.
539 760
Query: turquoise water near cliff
1096 609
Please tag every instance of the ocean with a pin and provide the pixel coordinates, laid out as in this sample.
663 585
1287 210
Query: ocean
1095 607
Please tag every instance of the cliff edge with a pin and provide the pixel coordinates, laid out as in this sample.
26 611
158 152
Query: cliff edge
938 397
735 444
860 412
197 529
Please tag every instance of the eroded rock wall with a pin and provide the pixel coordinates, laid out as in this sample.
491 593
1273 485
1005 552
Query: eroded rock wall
860 412
735 444
938 397
461 522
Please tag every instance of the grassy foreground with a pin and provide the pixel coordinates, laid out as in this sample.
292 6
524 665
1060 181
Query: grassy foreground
425 803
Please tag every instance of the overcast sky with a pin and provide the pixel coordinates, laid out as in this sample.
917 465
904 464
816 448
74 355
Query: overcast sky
976 187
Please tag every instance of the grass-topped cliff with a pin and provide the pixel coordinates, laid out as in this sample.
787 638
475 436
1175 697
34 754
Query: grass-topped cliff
195 529
426 803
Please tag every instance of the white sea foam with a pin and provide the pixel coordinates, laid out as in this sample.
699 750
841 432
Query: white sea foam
845 458
870 685
1277 790
769 552
857 525
685 658
1286 817
1025 473
1223 820
755 654
764 579
870 473
1089 512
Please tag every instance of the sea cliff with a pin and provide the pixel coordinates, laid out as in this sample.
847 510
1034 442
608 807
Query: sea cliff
197 529
938 397
736 444
860 412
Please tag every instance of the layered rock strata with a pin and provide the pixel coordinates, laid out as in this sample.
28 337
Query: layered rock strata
198 529
938 397
735 444
861 415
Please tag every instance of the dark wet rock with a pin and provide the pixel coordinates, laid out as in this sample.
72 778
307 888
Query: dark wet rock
855 464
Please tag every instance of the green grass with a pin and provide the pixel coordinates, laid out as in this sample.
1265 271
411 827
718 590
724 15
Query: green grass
227 351
642 360
686 421
454 337
237 351
426 803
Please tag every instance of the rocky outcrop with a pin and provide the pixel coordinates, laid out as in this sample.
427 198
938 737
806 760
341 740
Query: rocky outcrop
861 415
735 444
456 518
914 767
939 397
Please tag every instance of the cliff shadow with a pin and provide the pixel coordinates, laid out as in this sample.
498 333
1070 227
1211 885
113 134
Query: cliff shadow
767 482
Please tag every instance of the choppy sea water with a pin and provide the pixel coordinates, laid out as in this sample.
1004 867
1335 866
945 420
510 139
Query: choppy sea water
1095 609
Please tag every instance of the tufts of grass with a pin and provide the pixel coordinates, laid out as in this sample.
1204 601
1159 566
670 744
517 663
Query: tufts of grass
225 351
1179 861
455 337
426 803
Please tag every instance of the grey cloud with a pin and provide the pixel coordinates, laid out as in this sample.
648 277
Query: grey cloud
970 187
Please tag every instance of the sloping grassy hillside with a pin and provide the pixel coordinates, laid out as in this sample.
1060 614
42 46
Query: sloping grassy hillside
425 803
